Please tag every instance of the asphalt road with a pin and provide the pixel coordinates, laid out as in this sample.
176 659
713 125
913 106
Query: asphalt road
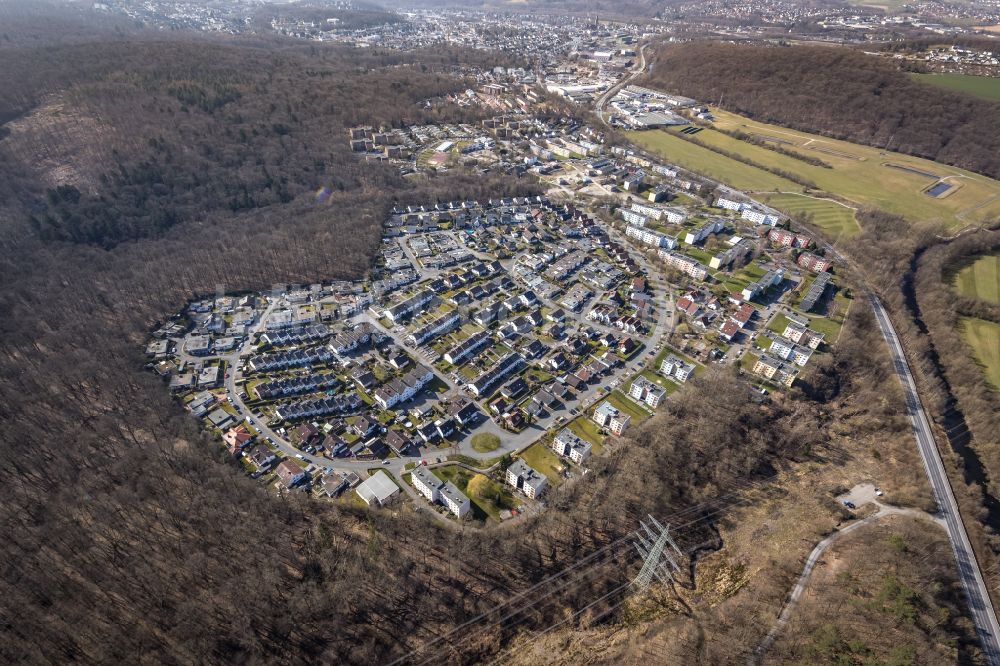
613 90
980 605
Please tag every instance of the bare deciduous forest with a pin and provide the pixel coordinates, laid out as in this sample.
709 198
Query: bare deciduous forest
840 93
128 534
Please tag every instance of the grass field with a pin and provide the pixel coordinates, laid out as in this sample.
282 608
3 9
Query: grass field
711 164
984 338
836 220
980 279
984 87
541 458
859 173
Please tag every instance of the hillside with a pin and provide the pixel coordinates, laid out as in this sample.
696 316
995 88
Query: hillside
839 93
118 146
131 538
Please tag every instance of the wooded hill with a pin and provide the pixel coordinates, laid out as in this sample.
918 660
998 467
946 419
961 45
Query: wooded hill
838 92
129 536
128 140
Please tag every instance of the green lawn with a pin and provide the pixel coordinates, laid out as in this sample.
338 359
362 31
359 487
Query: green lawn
485 442
830 326
858 174
587 430
666 351
984 338
778 323
624 404
544 459
984 87
483 508
835 219
980 279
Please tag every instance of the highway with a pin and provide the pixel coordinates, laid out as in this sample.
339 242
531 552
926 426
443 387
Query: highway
980 605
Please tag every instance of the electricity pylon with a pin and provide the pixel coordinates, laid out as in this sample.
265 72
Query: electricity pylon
657 549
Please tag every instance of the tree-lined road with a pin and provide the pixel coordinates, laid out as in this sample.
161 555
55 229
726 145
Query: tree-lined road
980 604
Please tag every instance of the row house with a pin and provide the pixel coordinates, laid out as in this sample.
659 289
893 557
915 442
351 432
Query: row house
311 333
438 327
485 382
468 347
406 309
343 404
402 389
290 359
296 386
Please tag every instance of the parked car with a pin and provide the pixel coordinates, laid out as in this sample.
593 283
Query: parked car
849 504
385 462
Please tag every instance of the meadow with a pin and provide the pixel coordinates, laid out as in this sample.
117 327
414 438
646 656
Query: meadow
984 87
858 174
980 279
984 339
836 219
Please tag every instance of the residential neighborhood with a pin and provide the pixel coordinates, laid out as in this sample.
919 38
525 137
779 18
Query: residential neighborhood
511 338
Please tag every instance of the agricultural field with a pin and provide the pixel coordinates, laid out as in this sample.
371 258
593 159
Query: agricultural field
859 174
984 339
984 87
980 279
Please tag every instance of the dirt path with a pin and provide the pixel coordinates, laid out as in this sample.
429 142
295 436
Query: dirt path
859 495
